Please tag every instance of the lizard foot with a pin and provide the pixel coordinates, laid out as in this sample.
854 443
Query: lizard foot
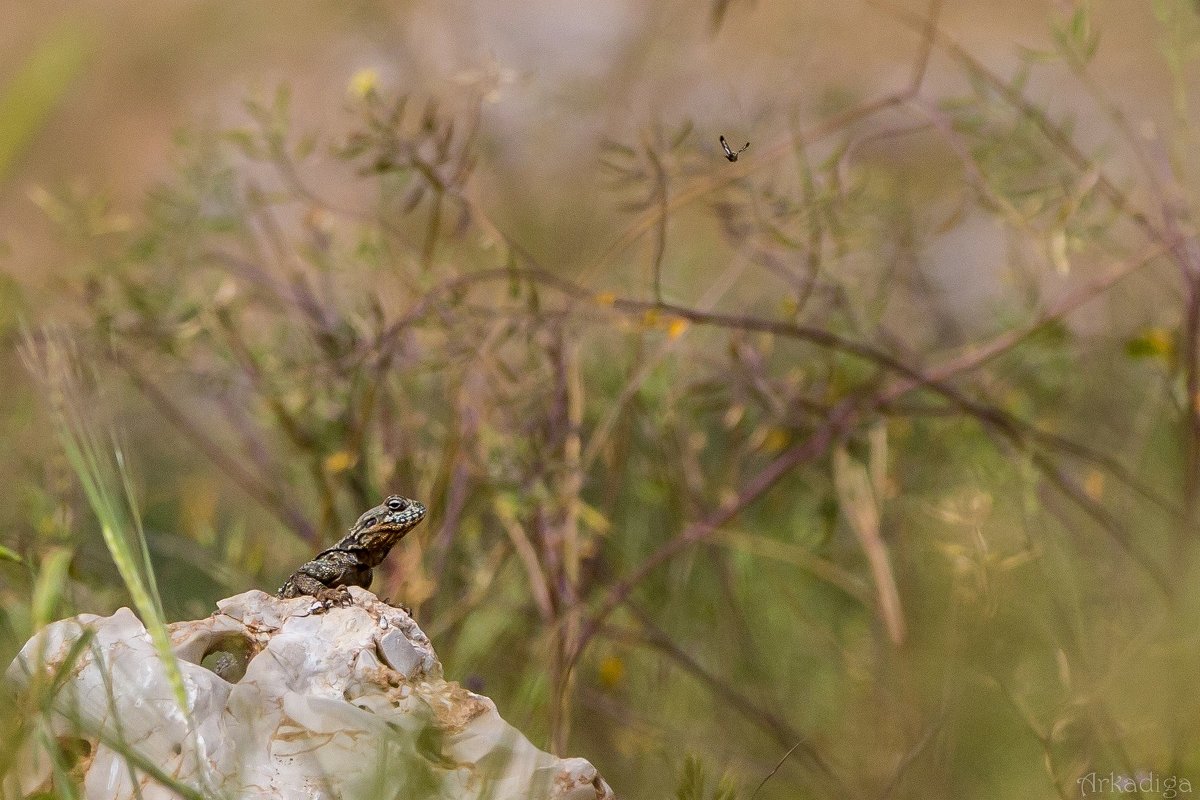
335 596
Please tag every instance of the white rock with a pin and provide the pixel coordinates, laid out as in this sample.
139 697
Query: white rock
350 703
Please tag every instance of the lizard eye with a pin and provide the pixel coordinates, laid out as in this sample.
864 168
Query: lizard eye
397 504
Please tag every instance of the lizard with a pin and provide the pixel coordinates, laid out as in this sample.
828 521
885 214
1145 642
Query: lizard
350 562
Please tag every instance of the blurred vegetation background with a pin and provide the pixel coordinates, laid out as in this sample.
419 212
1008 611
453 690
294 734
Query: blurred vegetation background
867 466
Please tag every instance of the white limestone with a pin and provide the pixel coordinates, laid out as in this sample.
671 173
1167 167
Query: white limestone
346 704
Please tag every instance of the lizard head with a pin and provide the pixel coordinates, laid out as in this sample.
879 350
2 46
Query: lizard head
385 524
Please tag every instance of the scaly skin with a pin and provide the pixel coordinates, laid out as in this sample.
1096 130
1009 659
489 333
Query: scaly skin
350 562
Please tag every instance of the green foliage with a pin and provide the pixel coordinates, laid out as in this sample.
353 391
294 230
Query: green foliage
1075 36
774 468
693 783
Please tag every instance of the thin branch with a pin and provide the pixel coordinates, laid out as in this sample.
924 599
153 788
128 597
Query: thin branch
922 64
839 421
655 637
660 238
976 354
263 493
527 555
775 769
1107 522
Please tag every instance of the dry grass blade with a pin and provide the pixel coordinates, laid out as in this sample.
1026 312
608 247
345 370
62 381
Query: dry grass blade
858 503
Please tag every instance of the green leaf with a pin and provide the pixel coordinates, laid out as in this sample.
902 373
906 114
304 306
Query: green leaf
1079 23
305 147
245 141
48 590
1152 343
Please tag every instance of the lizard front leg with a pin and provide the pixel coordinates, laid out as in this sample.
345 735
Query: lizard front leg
326 578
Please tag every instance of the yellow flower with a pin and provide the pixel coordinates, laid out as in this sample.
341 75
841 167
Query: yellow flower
339 462
363 83
612 669
776 439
